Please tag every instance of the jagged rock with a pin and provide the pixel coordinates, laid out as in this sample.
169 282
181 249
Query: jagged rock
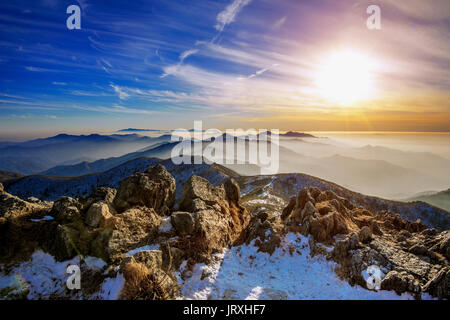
1 187
342 247
219 219
304 196
288 210
199 193
400 282
99 214
400 259
65 209
365 235
133 228
439 285
183 222
155 188
12 206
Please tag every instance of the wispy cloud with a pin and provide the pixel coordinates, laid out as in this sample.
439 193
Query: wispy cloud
36 69
59 83
279 23
228 15
122 94
187 53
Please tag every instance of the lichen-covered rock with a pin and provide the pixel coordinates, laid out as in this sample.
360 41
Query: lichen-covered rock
155 188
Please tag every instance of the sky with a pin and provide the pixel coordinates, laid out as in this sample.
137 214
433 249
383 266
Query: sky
230 63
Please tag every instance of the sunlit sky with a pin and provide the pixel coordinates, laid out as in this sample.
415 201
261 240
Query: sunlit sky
291 65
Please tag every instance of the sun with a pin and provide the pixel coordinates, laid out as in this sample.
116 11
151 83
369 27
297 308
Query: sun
346 77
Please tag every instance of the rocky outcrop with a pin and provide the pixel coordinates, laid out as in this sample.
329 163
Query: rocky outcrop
133 228
12 206
219 220
412 257
155 188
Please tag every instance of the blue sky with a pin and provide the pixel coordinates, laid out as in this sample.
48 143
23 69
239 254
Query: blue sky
231 63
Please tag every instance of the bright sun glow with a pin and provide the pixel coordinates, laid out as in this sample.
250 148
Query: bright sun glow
346 77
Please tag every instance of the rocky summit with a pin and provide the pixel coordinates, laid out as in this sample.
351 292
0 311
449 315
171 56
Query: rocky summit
141 241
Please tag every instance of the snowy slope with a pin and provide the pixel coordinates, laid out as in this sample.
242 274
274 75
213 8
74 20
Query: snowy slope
289 273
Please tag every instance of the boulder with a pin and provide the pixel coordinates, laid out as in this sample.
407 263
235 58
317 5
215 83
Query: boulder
183 222
342 247
133 228
99 214
218 219
199 193
155 188
12 206
66 209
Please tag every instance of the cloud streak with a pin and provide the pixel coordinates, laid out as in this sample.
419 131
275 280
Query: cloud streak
228 15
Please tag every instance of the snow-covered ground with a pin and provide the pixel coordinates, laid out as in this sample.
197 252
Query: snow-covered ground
244 273
43 278
237 273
